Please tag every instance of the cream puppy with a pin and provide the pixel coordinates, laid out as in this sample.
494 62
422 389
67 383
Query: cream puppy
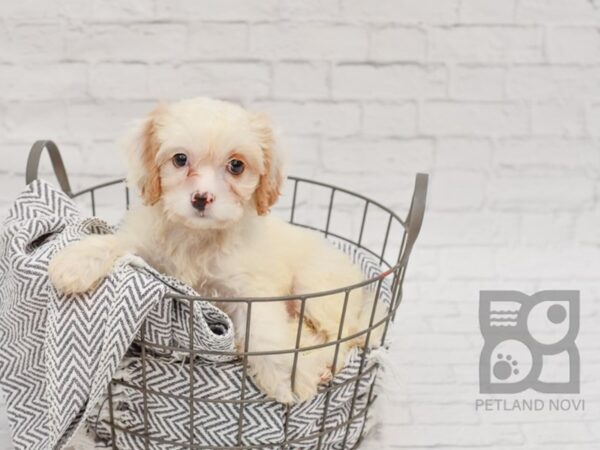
208 171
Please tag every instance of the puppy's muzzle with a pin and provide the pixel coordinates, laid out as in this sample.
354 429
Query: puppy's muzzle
201 200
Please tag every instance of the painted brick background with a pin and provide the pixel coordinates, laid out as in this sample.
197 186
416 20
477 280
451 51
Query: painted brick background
499 100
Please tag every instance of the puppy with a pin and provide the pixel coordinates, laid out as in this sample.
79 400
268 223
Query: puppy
208 171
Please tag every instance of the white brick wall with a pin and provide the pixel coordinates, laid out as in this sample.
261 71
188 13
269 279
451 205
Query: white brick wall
499 100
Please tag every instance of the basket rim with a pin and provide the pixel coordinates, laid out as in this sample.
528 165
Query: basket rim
411 225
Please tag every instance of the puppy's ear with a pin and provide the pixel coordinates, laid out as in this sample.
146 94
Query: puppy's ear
271 178
141 148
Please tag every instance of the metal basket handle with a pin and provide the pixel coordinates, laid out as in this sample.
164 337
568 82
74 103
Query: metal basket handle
414 219
33 164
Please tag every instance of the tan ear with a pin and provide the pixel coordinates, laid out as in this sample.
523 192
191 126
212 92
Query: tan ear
141 151
271 178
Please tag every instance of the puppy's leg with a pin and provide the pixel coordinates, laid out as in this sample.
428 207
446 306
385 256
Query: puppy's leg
312 370
270 331
328 312
80 266
273 330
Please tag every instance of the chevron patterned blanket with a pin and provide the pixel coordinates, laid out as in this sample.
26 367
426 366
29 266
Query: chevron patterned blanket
58 354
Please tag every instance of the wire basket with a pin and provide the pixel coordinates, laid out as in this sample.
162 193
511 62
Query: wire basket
350 220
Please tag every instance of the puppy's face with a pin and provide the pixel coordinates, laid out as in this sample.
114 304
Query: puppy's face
205 162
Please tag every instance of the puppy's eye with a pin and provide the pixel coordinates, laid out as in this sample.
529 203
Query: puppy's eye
180 159
235 166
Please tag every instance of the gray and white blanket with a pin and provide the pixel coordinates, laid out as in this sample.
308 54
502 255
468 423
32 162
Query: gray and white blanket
59 353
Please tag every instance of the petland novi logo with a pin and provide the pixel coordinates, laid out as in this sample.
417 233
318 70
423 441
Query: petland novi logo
529 342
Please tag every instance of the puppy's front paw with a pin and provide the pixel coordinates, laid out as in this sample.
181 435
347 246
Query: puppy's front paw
80 266
72 271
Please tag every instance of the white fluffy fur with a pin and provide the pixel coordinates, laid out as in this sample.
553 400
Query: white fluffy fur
233 248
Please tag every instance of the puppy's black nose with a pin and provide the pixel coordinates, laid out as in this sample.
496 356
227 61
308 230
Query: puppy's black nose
201 200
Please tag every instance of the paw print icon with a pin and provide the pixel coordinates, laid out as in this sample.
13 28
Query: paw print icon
529 342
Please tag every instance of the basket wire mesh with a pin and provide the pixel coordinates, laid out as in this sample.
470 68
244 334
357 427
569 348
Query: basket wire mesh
392 250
